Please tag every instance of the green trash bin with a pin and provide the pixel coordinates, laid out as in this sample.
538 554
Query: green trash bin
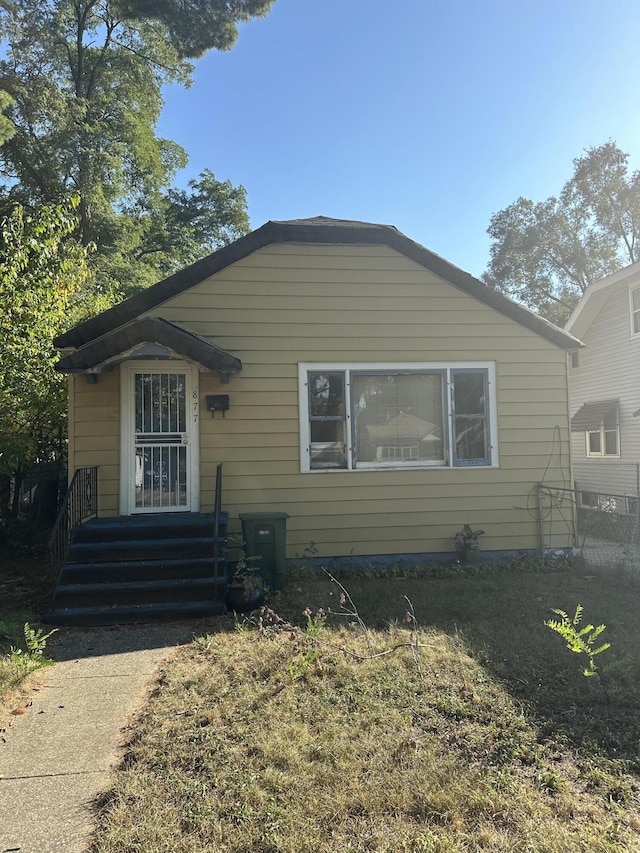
265 536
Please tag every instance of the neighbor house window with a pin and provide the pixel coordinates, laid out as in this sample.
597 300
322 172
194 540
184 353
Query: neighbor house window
605 441
600 422
362 416
589 500
634 299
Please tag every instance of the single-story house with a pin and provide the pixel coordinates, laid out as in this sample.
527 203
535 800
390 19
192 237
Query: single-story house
344 375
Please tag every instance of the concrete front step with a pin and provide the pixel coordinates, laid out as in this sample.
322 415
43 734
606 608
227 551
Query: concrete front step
155 526
139 549
145 566
138 592
141 570
84 617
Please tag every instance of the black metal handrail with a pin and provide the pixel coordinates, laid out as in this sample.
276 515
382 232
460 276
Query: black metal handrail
79 503
217 509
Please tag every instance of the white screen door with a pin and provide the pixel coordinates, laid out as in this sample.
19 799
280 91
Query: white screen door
161 440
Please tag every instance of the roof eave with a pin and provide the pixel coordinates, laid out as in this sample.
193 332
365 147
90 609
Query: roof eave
129 341
596 294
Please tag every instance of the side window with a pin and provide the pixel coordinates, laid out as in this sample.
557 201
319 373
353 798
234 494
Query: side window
635 310
604 440
327 420
470 417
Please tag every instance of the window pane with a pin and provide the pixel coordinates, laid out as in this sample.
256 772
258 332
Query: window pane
593 440
470 416
635 296
160 402
326 395
611 442
398 418
471 438
161 476
469 394
328 446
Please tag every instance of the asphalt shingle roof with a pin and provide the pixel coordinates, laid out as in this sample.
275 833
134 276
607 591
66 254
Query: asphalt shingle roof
319 229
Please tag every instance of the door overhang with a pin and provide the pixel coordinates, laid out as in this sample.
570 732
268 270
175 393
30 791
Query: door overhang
145 339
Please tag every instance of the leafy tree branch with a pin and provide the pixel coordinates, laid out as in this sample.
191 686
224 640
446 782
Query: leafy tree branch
545 254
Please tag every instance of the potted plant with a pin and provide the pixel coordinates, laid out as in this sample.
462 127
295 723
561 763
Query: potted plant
245 589
467 544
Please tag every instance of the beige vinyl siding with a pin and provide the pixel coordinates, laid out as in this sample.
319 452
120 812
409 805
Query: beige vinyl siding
94 429
288 304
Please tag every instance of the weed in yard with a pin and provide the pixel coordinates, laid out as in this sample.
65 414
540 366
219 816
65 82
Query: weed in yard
32 658
581 640
315 622
22 655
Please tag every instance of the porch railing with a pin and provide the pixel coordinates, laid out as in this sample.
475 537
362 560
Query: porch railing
79 504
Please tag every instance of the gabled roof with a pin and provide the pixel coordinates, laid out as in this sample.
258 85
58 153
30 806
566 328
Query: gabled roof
106 350
595 296
319 229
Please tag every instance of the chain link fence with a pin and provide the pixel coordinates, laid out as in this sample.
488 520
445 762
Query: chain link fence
607 507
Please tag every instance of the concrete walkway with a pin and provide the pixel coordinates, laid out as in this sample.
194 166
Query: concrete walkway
56 758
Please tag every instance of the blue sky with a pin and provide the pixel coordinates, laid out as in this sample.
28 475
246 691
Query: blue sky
429 116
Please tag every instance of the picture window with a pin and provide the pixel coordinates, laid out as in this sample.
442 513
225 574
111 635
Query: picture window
359 417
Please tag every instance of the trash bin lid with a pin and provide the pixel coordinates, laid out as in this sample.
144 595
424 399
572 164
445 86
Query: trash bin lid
262 516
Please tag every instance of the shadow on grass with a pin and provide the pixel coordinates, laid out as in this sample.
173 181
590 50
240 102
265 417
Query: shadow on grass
500 617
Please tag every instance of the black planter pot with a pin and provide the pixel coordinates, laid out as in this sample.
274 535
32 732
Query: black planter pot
242 600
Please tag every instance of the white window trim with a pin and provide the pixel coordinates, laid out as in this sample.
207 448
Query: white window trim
305 367
632 332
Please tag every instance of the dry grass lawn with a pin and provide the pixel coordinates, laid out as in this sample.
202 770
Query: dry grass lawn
475 732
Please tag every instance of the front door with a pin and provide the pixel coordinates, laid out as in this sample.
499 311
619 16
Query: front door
162 440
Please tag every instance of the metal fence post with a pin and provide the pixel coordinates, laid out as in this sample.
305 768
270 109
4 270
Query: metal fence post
540 521
636 532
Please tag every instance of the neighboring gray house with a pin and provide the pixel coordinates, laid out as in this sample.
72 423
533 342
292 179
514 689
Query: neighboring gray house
604 391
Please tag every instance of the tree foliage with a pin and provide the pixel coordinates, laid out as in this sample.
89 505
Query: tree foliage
545 254
80 96
175 228
41 273
85 78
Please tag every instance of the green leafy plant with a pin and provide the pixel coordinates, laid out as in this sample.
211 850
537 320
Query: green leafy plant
32 658
467 542
582 641
246 572
298 666
315 622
